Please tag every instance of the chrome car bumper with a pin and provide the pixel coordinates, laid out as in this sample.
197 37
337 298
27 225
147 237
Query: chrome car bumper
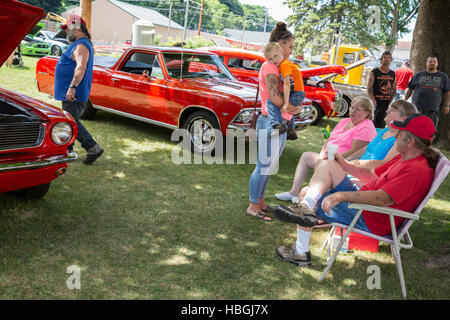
38 163
300 122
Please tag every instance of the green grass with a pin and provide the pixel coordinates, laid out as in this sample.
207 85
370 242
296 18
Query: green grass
140 227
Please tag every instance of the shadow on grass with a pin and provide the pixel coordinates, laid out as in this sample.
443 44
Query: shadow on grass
140 227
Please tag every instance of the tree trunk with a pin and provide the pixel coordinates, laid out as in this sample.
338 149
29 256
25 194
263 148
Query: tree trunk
394 29
430 37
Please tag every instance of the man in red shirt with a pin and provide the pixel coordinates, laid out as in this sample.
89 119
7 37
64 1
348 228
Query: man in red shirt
401 183
403 76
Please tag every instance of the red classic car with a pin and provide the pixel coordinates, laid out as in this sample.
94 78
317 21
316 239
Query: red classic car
245 65
34 136
170 87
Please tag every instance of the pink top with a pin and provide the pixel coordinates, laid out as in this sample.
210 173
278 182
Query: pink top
268 68
365 131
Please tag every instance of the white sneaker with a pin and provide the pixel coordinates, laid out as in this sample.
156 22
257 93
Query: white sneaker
286 196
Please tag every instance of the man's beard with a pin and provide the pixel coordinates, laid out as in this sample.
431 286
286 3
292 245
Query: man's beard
71 37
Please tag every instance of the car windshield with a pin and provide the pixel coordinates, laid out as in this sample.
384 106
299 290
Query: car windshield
189 65
48 34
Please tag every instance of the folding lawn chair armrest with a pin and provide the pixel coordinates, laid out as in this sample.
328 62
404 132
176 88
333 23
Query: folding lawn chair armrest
385 210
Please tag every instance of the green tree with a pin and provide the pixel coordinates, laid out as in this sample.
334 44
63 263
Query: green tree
316 22
48 5
396 15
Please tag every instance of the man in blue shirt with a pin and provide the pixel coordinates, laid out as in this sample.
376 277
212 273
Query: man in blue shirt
73 80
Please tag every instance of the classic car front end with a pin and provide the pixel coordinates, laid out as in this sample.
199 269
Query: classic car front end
33 144
32 46
34 136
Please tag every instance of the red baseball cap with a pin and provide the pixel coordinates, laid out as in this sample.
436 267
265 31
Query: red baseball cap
419 125
73 22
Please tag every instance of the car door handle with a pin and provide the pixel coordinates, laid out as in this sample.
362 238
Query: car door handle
114 80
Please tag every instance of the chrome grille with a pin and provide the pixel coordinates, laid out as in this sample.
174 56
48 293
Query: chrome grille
20 135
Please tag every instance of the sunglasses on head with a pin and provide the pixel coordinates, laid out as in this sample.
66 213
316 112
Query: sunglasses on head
287 35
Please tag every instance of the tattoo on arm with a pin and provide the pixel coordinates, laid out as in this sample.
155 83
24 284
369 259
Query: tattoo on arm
274 86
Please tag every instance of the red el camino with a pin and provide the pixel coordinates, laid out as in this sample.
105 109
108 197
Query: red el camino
169 87
34 136
245 65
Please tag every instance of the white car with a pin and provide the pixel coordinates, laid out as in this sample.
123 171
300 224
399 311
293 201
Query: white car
56 43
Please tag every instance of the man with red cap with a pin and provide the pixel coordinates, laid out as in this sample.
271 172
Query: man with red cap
401 183
73 80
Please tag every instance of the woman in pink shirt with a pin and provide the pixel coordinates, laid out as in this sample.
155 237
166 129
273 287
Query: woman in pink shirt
350 135
269 149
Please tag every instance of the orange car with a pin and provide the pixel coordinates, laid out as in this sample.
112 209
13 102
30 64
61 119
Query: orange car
245 65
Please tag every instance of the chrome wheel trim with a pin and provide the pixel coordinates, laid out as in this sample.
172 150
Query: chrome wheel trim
314 113
202 134
343 108
56 51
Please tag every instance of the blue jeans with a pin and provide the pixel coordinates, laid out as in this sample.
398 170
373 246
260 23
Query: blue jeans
342 213
295 98
269 152
84 137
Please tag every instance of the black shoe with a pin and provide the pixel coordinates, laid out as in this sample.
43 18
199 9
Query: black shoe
278 129
298 213
288 254
291 134
90 158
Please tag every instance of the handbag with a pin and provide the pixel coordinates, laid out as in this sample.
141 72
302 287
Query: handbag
251 132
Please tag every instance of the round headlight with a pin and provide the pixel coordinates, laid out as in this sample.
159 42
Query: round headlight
61 133
245 116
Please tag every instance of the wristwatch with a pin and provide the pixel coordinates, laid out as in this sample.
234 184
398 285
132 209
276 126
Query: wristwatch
72 85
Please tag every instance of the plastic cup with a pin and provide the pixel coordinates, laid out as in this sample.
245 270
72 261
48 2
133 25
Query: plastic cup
331 150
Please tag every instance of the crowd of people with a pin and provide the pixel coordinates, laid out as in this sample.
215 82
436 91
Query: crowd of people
392 167
384 155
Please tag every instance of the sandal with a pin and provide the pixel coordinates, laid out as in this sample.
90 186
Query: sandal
268 209
261 216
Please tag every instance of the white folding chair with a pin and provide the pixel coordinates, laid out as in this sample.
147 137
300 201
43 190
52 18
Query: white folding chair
394 239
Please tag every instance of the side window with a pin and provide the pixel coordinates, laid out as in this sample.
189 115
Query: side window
244 64
348 58
251 64
157 71
234 63
139 62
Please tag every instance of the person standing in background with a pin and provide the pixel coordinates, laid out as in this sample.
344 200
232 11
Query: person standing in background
381 88
403 75
428 88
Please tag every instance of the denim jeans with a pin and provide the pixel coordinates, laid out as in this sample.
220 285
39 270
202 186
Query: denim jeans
269 152
342 213
295 98
84 137
274 114
433 115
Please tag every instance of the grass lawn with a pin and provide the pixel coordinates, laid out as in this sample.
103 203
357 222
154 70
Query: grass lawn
140 227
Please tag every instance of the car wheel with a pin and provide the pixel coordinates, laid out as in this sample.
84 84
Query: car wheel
56 51
32 192
88 111
316 114
344 107
201 125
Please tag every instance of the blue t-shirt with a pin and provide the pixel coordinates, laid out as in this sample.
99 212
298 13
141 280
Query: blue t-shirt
378 148
65 69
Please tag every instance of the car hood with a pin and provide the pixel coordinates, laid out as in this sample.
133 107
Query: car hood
349 67
227 87
17 20
318 71
60 35
35 30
